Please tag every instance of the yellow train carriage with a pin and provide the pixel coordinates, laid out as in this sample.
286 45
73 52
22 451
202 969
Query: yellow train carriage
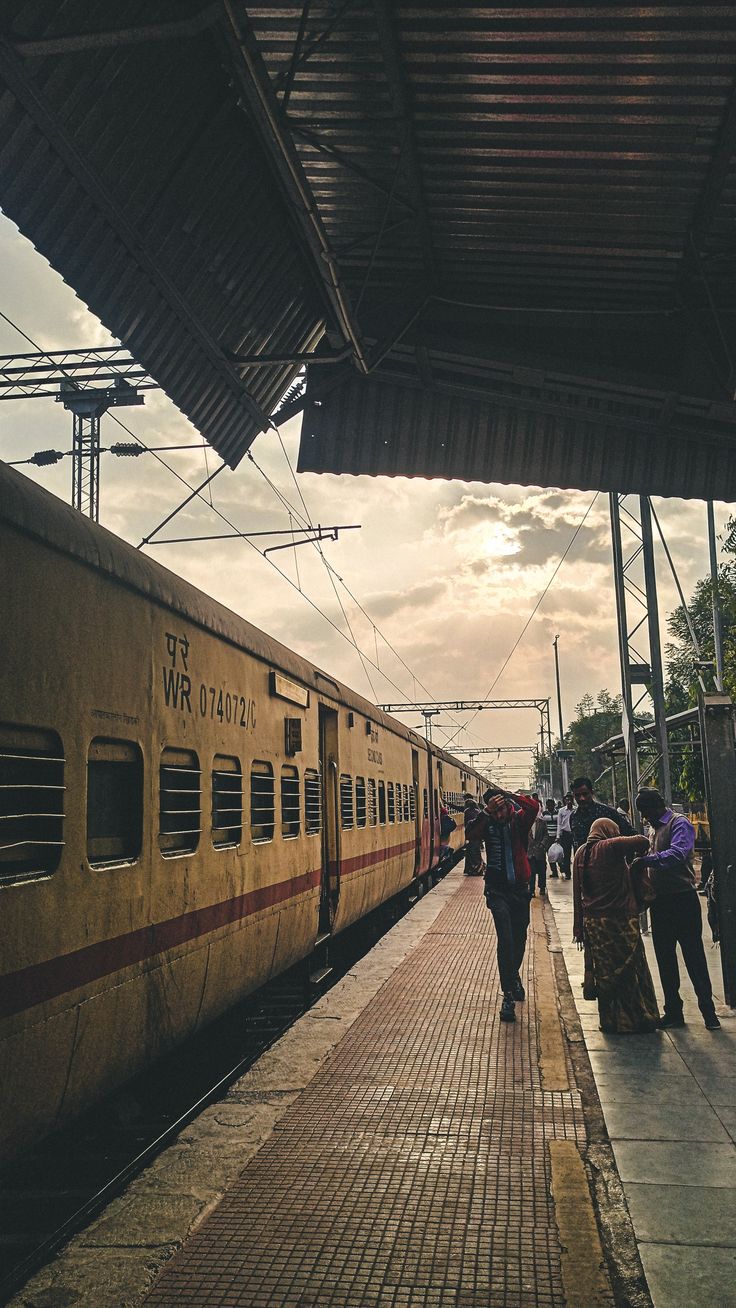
188 808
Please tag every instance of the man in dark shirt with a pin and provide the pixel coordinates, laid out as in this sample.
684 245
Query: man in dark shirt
676 915
473 855
588 809
504 825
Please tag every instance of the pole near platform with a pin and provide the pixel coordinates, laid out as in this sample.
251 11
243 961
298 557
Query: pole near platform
715 598
627 708
716 714
656 686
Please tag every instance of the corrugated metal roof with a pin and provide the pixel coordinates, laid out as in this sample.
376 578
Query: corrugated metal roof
134 170
502 423
456 191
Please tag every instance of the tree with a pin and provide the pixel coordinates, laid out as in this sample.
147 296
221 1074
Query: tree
682 679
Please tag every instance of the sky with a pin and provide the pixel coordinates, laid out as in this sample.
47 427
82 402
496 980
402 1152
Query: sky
448 572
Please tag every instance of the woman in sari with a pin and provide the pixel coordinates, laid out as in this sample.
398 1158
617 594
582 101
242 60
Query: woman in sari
606 923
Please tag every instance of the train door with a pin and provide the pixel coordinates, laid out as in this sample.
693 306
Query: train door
417 811
438 791
328 764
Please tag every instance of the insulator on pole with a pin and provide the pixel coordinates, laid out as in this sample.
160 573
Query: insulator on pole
43 458
127 449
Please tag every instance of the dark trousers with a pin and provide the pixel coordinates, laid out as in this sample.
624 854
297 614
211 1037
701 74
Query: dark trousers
510 911
676 920
566 842
474 859
538 866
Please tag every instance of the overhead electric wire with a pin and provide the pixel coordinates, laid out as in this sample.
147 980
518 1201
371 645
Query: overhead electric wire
376 630
195 492
528 622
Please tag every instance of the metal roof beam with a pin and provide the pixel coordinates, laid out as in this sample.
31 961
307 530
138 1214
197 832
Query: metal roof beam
31 99
715 179
260 99
78 42
401 101
332 152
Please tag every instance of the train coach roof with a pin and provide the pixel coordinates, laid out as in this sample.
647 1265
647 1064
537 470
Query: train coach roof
39 514
36 513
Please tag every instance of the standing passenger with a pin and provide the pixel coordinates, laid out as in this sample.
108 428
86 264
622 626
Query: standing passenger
606 923
447 826
539 842
564 834
588 809
473 855
505 824
676 915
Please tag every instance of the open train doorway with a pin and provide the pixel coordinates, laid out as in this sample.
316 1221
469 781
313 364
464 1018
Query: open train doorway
416 811
328 766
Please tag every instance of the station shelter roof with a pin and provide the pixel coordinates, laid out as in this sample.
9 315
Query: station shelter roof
501 236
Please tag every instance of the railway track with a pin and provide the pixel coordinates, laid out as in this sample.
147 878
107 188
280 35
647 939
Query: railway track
54 1191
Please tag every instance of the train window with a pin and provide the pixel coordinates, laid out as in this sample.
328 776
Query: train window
180 814
382 803
360 803
391 807
31 804
372 805
114 802
290 805
346 801
412 803
227 802
426 804
406 803
312 802
262 802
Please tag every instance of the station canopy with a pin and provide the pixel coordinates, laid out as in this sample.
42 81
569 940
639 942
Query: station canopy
502 237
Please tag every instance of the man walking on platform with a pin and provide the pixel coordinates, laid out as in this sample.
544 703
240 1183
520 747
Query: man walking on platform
676 915
564 834
473 855
504 825
588 809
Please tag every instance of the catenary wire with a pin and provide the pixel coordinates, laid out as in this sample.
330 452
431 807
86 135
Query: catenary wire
308 521
528 622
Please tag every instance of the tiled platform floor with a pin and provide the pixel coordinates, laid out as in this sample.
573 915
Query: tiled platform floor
669 1101
413 1170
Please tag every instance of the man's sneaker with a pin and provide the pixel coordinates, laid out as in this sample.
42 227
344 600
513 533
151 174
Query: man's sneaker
518 990
711 1022
670 1020
508 1011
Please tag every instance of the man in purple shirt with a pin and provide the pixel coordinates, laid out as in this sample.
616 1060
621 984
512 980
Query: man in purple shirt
676 916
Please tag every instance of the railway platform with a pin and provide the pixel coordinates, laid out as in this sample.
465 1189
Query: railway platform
398 1147
669 1104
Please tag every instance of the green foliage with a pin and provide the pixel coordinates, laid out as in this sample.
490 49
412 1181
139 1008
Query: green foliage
596 720
682 682
682 679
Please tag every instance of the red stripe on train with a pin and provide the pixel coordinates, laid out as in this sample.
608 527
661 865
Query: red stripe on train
43 981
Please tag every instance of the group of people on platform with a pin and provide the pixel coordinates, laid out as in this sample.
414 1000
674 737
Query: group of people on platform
616 875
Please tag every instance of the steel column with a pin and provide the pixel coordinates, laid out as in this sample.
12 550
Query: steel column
656 686
86 464
719 765
627 708
715 597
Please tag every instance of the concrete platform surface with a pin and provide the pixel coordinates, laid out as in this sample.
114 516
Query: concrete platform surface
669 1102
399 1146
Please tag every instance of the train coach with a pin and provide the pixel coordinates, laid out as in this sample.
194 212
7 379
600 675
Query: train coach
187 808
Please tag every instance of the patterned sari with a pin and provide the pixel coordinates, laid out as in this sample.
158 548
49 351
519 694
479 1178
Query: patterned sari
623 983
